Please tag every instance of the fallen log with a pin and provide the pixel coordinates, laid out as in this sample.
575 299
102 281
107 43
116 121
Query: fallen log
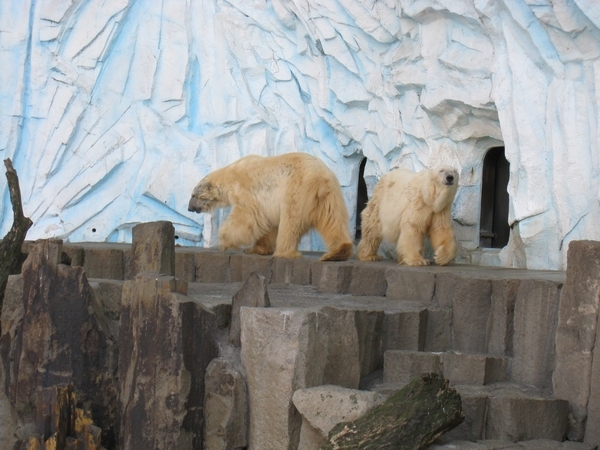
411 419
11 257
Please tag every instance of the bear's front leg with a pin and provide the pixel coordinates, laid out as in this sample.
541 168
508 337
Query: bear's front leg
410 247
238 230
266 244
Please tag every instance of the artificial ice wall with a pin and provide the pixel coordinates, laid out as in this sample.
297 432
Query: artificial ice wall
113 110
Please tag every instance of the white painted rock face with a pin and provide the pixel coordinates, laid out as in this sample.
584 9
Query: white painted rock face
113 112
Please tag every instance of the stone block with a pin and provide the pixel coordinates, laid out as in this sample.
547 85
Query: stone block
592 430
166 341
576 336
368 279
405 330
410 284
500 326
439 330
334 278
369 327
291 271
185 266
463 368
535 321
282 351
212 267
225 406
521 418
402 366
241 265
310 437
343 356
76 254
253 293
325 406
471 304
153 246
105 263
474 405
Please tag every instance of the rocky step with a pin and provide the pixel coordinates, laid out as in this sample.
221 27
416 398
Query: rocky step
401 366
535 444
494 408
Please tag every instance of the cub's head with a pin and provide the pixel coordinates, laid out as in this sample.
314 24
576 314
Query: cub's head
443 184
446 176
206 197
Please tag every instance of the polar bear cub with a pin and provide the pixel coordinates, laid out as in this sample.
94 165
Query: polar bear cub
275 200
406 206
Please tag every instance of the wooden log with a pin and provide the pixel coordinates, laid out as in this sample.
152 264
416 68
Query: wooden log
11 257
411 419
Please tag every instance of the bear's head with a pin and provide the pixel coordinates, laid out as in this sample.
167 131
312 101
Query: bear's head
442 188
206 197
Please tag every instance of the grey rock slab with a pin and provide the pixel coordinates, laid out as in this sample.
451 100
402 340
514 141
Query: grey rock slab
576 336
405 330
253 293
535 323
474 369
368 279
334 277
403 366
225 406
410 284
283 350
212 267
500 326
326 406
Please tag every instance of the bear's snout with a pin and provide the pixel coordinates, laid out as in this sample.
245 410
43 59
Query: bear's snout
449 180
194 206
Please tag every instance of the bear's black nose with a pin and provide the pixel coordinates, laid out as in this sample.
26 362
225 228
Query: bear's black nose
450 178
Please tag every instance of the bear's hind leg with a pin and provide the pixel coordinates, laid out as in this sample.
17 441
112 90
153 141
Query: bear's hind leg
410 247
291 230
266 244
330 219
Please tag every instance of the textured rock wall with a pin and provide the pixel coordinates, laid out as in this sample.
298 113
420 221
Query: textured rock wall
112 111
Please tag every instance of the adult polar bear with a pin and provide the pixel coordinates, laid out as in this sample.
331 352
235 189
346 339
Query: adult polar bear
275 200
404 207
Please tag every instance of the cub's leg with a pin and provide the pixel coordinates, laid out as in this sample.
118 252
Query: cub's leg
266 244
444 246
371 233
410 246
238 230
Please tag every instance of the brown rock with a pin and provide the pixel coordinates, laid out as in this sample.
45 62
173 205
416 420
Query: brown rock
154 248
59 339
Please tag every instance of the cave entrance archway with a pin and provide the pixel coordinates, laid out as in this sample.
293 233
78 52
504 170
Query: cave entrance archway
493 222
